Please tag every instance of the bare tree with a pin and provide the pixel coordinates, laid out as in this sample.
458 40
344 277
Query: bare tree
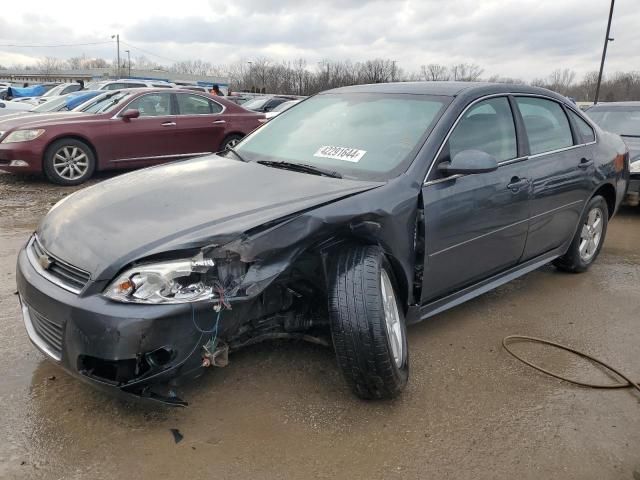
50 64
465 72
434 72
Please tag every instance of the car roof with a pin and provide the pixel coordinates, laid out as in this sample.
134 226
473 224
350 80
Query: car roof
447 88
616 104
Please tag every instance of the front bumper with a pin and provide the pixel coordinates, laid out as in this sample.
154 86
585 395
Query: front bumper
29 153
633 191
121 348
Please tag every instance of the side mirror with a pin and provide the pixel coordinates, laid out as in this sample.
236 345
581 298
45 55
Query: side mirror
469 162
130 113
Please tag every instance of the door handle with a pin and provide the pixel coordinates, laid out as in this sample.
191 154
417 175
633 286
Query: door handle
585 163
218 122
169 124
517 183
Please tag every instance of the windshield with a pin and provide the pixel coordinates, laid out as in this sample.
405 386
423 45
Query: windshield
624 121
55 91
52 105
283 106
256 103
93 85
368 136
106 102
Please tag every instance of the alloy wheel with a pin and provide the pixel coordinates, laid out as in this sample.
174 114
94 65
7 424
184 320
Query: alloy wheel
392 319
70 162
591 234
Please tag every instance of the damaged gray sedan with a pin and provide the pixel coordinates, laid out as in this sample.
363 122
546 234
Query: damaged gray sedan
345 218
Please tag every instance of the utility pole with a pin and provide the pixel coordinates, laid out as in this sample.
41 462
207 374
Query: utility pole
129 57
117 37
607 39
250 80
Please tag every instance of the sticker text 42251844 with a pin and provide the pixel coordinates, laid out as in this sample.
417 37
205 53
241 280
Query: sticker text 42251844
340 153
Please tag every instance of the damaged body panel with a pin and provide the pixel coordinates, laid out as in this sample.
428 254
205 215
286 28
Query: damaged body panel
149 277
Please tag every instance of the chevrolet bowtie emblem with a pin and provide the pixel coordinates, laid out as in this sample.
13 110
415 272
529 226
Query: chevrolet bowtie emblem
45 261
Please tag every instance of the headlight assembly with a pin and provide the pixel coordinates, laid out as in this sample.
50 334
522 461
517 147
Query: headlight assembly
23 136
176 281
635 167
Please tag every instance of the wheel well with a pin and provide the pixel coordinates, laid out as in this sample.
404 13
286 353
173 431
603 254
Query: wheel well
609 194
233 134
396 266
74 137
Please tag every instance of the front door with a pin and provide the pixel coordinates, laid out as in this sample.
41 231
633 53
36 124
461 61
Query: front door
476 225
145 139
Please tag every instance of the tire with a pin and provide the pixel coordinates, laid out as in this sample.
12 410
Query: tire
230 141
362 339
589 238
69 162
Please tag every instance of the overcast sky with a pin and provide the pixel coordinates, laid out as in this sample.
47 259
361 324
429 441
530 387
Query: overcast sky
517 38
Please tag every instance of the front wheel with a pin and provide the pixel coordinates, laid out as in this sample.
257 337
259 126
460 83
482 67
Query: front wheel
230 141
589 237
367 323
69 162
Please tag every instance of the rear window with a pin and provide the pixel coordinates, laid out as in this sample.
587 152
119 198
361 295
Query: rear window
584 129
359 135
546 124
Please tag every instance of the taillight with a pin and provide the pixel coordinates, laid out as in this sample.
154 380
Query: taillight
621 161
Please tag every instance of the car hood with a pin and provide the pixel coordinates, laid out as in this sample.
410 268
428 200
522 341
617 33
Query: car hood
177 206
38 120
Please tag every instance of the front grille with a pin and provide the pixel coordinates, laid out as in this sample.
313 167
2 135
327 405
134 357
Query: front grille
67 276
50 332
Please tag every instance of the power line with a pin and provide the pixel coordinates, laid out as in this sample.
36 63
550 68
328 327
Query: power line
13 45
148 52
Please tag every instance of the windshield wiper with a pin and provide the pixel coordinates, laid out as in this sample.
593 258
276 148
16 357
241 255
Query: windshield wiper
301 167
233 150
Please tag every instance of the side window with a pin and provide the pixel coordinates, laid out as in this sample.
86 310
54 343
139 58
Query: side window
585 130
196 105
546 124
114 86
69 89
152 105
133 85
487 126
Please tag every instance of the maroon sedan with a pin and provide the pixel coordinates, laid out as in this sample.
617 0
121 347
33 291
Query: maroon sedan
122 129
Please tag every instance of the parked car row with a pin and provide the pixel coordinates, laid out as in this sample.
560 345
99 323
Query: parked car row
344 219
128 128
623 118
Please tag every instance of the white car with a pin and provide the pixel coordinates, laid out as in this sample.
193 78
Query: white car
127 83
281 108
7 107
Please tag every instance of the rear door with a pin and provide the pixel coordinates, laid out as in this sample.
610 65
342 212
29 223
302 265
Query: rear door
560 167
201 125
476 225
144 139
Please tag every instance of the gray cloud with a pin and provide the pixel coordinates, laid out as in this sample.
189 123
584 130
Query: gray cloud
524 38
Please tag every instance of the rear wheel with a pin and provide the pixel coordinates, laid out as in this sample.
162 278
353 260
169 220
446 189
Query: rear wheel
69 162
367 324
588 240
230 141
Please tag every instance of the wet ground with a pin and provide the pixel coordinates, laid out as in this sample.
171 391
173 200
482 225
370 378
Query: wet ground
282 410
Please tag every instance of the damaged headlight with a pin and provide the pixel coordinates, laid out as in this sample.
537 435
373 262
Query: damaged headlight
175 281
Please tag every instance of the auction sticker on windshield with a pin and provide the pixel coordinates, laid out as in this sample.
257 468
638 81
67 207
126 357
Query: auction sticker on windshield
340 153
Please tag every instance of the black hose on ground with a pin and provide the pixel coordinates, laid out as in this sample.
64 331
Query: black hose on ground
627 384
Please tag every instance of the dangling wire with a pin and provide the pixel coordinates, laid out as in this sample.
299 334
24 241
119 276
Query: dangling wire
214 330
